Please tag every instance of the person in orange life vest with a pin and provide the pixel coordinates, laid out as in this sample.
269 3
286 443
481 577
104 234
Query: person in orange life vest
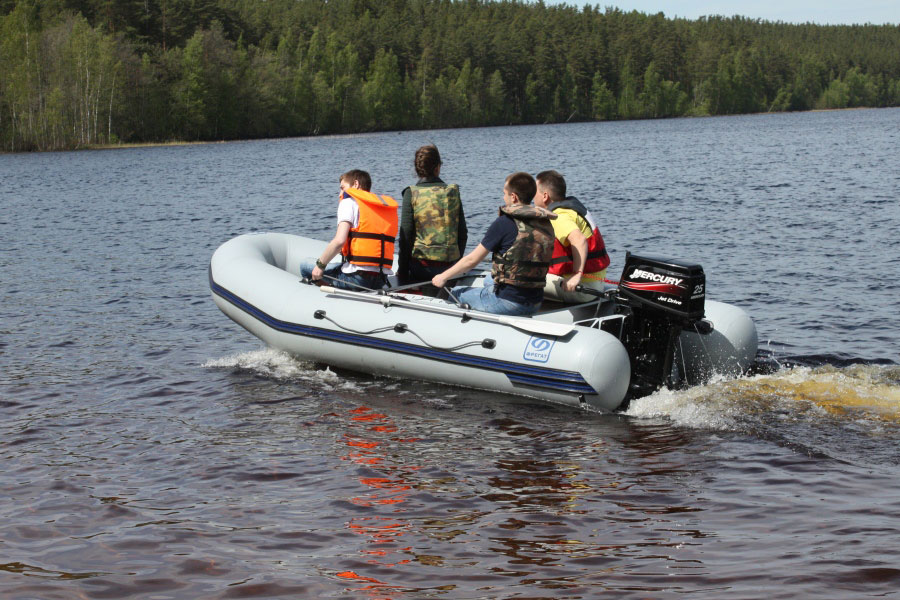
366 228
579 254
521 239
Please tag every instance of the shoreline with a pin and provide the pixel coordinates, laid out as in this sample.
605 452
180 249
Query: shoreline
128 145
176 143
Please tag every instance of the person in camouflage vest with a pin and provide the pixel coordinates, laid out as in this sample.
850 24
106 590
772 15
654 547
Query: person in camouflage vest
521 239
433 232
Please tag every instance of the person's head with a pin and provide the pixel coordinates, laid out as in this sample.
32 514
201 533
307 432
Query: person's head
519 189
356 178
428 161
551 187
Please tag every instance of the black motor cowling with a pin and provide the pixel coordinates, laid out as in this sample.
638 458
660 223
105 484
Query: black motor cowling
670 287
660 297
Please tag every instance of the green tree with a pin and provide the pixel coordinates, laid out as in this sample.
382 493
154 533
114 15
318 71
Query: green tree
628 105
836 95
21 73
383 92
443 102
861 89
191 90
893 93
495 109
661 98
603 101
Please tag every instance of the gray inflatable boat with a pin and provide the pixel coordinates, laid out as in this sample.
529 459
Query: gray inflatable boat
655 328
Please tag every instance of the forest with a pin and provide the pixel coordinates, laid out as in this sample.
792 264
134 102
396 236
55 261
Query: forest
82 73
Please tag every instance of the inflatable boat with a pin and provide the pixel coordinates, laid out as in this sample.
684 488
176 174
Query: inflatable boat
655 328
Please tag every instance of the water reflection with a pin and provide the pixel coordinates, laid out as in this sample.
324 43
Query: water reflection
369 436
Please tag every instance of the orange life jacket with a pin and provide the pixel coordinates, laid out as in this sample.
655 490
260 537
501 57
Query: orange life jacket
371 243
597 259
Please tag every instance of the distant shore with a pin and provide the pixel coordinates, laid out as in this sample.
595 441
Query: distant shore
171 143
127 145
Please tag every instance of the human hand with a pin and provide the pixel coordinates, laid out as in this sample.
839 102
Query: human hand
316 274
439 281
570 284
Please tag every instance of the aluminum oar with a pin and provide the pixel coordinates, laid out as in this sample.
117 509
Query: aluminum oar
524 323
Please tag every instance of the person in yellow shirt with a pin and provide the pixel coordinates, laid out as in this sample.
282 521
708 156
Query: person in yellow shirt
579 254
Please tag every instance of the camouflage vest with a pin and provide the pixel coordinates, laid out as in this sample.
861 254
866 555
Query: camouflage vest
526 262
436 216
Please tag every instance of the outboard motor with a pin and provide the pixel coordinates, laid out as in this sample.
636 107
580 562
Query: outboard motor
659 298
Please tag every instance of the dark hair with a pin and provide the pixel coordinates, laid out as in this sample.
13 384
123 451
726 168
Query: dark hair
523 186
554 183
427 161
365 181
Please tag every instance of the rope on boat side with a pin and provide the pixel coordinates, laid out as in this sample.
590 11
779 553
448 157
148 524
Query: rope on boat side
403 328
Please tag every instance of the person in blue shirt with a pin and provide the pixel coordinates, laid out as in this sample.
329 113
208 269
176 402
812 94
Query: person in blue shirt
521 240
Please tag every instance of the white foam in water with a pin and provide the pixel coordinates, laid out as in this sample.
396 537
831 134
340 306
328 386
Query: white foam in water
438 402
859 396
701 407
276 364
268 362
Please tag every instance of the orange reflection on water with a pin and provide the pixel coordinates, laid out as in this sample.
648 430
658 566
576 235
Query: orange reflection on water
370 447
380 530
357 577
374 590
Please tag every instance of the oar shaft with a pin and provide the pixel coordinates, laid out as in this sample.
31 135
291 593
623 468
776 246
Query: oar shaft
410 286
525 324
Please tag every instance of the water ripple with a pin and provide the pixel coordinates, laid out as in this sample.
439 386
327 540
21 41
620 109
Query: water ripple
153 449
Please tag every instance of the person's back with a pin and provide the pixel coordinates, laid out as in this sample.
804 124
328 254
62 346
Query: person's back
432 223
367 226
436 214
525 263
521 242
579 253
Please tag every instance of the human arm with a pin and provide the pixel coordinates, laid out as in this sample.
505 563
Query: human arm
333 247
463 265
578 244
406 237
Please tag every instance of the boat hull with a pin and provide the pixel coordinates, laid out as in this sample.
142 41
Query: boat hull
255 281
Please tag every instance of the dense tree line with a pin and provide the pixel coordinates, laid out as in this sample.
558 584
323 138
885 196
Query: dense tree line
82 72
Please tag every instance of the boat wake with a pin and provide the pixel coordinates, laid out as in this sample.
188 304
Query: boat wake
281 366
847 413
841 412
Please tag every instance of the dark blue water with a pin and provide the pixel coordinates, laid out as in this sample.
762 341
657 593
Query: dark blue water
153 449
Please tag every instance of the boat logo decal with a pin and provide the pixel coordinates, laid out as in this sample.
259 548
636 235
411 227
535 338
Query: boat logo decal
641 274
663 284
538 349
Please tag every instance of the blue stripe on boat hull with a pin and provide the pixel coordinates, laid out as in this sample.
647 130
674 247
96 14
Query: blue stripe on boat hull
554 379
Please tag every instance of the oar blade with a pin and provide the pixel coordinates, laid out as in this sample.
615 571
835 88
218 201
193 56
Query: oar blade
537 326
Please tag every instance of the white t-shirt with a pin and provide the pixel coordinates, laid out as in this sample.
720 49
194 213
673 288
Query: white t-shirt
348 210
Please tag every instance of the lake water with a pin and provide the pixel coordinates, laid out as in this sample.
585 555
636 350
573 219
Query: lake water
153 449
